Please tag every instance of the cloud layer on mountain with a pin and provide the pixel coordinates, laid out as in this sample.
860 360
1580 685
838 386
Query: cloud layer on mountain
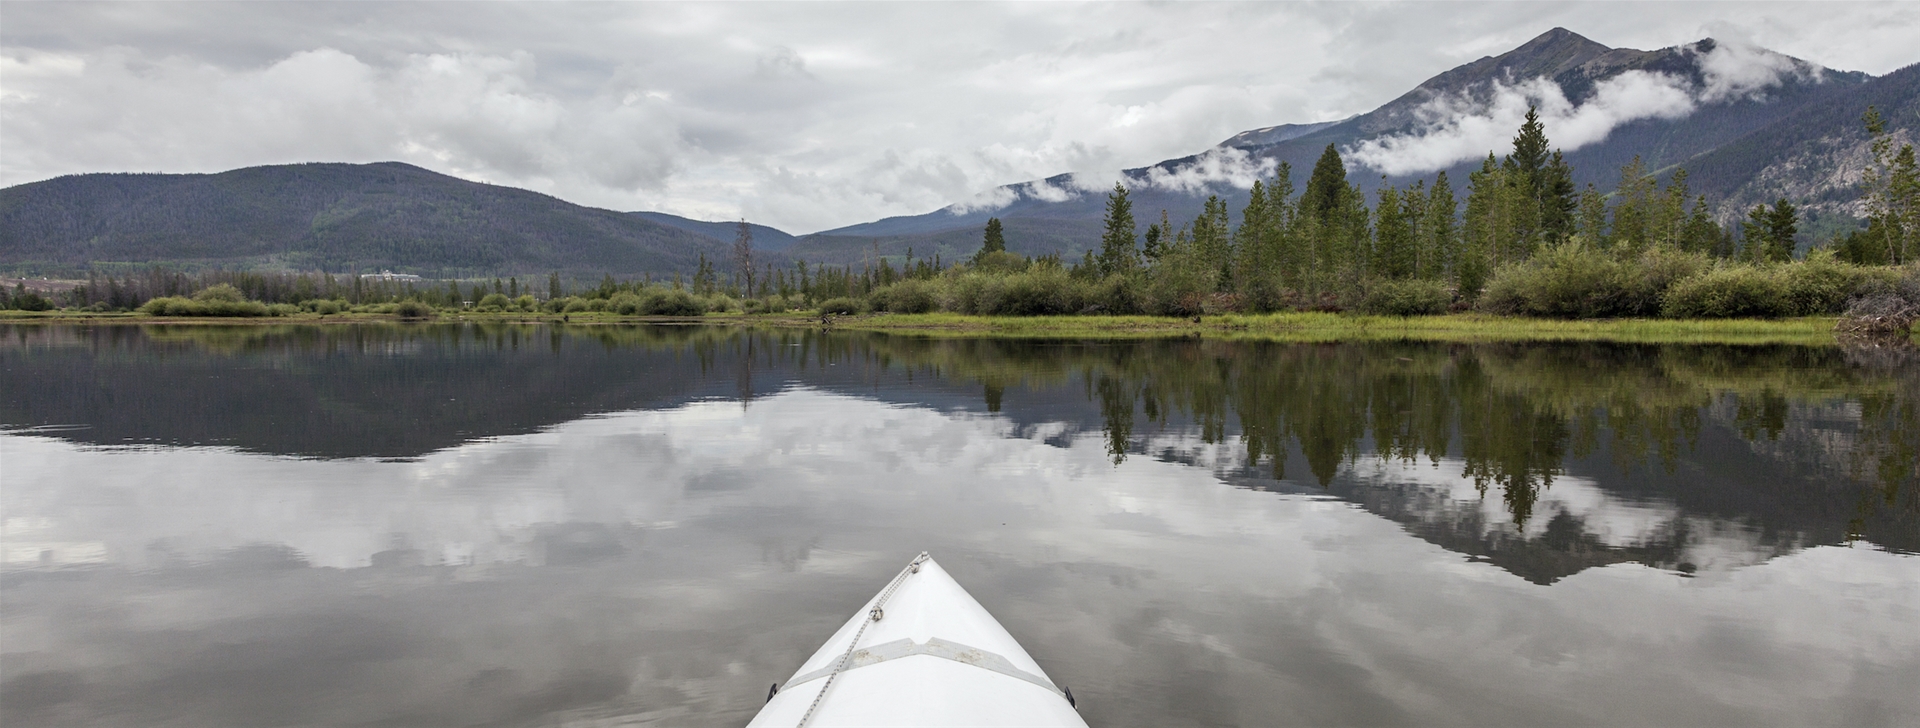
804 116
1463 126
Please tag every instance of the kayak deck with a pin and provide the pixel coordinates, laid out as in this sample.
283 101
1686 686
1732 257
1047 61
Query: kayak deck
933 657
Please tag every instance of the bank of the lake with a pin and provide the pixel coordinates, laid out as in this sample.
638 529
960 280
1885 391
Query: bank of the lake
1330 327
1293 326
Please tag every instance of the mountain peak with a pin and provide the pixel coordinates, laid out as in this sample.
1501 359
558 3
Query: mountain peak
1548 54
1558 38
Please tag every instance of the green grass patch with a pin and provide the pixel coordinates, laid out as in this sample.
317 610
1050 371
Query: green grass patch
1286 327
1329 327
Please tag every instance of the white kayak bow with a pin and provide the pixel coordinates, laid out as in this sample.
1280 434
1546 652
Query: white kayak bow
921 653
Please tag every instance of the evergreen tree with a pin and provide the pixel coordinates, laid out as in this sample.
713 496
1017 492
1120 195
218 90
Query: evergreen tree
994 240
1118 250
1700 234
704 277
1670 215
1557 200
1159 239
1530 154
1480 231
1393 255
1543 187
1250 264
1591 222
1355 240
1211 245
1326 189
1287 251
1441 231
1769 232
1633 209
1325 208
1413 204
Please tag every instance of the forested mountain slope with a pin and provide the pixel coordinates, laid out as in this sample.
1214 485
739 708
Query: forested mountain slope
764 237
333 217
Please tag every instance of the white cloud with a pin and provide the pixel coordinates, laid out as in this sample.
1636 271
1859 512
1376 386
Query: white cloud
1217 166
1736 69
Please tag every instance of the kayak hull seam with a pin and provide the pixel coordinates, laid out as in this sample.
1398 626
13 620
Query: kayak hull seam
933 647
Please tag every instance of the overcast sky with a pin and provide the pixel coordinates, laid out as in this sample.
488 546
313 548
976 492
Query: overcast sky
805 116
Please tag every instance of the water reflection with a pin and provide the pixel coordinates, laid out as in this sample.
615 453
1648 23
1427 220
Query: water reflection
1792 446
646 526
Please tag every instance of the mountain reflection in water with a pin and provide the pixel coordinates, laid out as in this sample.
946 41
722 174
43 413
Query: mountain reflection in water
640 457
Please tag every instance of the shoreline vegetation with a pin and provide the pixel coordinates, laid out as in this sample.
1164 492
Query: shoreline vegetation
1299 327
1525 257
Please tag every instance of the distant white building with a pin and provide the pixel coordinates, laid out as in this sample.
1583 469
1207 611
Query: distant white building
387 275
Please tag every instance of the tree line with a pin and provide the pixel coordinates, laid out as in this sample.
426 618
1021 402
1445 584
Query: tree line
1326 242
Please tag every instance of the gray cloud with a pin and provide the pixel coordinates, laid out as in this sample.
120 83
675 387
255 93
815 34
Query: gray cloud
804 116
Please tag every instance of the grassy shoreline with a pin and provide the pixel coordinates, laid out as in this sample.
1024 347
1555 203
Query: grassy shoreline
1286 327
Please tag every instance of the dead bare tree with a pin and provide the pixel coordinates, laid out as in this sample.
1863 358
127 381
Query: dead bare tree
743 257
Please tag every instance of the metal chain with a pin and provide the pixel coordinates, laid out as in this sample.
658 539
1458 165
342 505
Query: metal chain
873 615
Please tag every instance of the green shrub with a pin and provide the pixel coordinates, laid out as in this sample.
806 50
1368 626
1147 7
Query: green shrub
1738 291
526 303
221 293
721 303
1117 295
282 309
908 296
216 306
1037 291
1000 261
575 305
671 303
412 310
320 306
168 305
1407 298
625 304
1820 284
968 292
1180 286
754 305
1655 271
1566 281
843 306
494 302
32 301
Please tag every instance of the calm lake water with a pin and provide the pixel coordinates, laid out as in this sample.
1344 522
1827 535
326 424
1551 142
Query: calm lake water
447 525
